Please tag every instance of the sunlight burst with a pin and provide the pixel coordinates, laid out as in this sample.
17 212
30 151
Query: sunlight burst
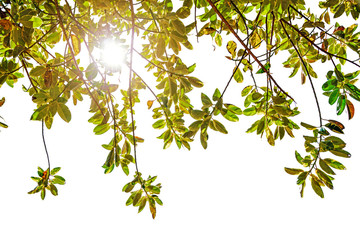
113 54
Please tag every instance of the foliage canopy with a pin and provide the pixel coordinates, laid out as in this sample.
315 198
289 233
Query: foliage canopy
32 31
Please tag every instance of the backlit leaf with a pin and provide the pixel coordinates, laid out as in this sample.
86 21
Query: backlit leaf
64 112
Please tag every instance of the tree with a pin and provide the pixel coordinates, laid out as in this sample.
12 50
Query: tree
31 32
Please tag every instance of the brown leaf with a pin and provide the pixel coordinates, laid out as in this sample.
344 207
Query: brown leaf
350 108
6 24
48 78
2 101
303 78
339 124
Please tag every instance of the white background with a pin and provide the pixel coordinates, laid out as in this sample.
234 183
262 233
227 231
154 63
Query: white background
236 189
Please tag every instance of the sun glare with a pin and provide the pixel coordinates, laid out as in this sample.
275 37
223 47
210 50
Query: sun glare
113 54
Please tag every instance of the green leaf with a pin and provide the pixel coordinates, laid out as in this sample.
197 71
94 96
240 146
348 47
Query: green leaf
234 109
325 178
91 71
205 100
339 10
354 91
216 96
341 103
220 127
324 166
334 164
55 170
301 178
238 75
246 90
58 180
101 129
159 124
38 71
261 70
316 187
195 82
64 112
341 153
334 96
37 22
43 193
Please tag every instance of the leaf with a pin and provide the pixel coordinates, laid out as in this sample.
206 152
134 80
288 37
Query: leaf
340 10
246 90
261 70
316 187
334 128
293 171
37 71
64 112
150 103
160 48
55 170
238 75
234 109
216 96
159 124
58 180
37 22
218 40
101 129
179 26
341 104
91 71
341 153
76 44
231 47
301 178
183 12
308 126
2 101
324 166
205 100
152 210
43 193
334 96
350 109
255 40
325 178
334 164
195 82
338 124
220 127
354 91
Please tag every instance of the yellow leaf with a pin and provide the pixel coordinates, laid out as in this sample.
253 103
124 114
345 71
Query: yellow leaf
150 103
76 44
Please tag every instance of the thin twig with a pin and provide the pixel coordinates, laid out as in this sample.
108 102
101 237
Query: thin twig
43 138
130 80
307 72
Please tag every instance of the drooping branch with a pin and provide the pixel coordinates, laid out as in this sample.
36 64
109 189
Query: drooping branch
246 48
316 46
307 72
